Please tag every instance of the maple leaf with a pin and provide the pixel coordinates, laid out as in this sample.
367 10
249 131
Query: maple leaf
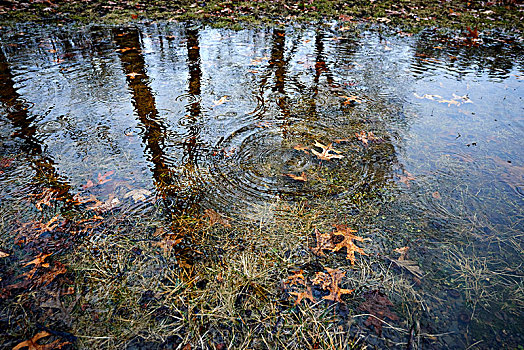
330 281
323 242
138 194
307 294
32 344
326 152
296 278
377 304
220 101
216 218
347 242
302 177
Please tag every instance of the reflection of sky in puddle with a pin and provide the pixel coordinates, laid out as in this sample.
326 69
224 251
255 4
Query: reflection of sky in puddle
231 115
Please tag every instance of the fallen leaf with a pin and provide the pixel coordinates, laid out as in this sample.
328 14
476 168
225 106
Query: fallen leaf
409 265
167 244
351 100
32 344
102 179
216 218
138 194
326 152
3 254
111 203
301 148
219 102
296 278
307 294
51 274
133 75
377 304
436 195
365 137
330 281
348 243
405 179
323 242
302 177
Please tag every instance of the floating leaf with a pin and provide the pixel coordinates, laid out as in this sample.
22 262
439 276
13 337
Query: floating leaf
219 102
102 179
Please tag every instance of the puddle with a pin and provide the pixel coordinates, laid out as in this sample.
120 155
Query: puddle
190 117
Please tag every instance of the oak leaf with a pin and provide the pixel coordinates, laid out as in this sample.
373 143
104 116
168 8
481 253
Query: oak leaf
323 242
328 152
216 218
347 242
302 177
3 254
32 344
409 265
377 304
307 294
330 281
296 278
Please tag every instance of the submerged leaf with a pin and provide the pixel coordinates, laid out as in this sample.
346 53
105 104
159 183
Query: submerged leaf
139 194
328 152
348 243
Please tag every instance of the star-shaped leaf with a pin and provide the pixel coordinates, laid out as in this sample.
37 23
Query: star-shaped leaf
328 152
330 281
347 242
307 294
296 278
323 242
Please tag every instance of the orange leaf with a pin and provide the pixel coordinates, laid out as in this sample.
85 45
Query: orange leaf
302 177
347 242
296 278
103 178
330 281
327 152
32 344
216 218
307 294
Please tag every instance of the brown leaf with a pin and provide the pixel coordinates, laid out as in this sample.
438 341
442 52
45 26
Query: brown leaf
328 152
323 242
3 254
216 218
302 148
296 278
307 294
365 137
405 179
167 244
51 274
302 177
377 304
347 242
330 281
32 344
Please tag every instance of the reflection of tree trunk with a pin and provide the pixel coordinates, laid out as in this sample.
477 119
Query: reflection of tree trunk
194 109
20 118
277 60
128 42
